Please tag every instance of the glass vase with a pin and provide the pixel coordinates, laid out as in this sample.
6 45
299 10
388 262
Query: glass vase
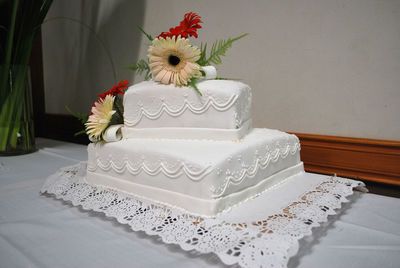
17 135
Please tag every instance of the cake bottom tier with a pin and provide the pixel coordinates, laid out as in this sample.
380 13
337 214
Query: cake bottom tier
202 177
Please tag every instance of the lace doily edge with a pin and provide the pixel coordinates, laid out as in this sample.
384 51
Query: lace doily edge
358 186
291 251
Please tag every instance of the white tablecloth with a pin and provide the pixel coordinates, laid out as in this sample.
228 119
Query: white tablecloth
37 231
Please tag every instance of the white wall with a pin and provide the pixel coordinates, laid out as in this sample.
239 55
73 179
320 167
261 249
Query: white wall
84 43
322 67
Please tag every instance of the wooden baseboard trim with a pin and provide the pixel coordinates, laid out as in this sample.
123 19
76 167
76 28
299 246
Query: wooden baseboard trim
367 159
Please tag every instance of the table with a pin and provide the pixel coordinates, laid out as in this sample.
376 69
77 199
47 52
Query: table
37 231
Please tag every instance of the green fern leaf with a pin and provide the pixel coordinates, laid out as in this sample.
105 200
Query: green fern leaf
140 67
81 117
148 75
203 57
219 49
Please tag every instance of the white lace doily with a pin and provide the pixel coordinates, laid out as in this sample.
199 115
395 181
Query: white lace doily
254 241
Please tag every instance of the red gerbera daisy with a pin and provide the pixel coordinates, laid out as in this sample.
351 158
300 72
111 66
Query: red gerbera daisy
188 27
115 90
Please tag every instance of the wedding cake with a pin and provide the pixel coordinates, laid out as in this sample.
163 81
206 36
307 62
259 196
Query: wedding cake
198 153
184 139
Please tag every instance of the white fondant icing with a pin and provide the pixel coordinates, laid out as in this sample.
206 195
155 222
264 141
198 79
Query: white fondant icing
187 133
176 111
252 171
224 105
198 153
135 169
193 205
204 170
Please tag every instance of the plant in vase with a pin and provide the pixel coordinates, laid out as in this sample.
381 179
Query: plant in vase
20 21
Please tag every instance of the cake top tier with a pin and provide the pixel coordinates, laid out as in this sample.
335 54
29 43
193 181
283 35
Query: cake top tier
224 107
168 106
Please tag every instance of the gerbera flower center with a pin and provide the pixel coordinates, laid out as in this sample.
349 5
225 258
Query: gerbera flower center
174 60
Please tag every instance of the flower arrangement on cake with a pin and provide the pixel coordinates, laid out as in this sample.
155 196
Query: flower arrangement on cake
106 111
172 59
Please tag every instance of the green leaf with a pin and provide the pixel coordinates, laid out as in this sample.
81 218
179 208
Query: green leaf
203 57
9 50
146 34
148 75
119 107
81 117
82 132
140 67
24 22
219 49
192 83
225 78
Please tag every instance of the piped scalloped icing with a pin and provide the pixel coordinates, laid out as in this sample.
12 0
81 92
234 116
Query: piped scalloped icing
204 169
224 105
151 168
250 171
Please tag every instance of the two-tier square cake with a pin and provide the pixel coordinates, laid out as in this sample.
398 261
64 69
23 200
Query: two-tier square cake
198 153
186 140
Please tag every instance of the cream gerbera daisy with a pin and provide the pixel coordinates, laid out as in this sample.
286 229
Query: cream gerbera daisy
173 60
100 118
